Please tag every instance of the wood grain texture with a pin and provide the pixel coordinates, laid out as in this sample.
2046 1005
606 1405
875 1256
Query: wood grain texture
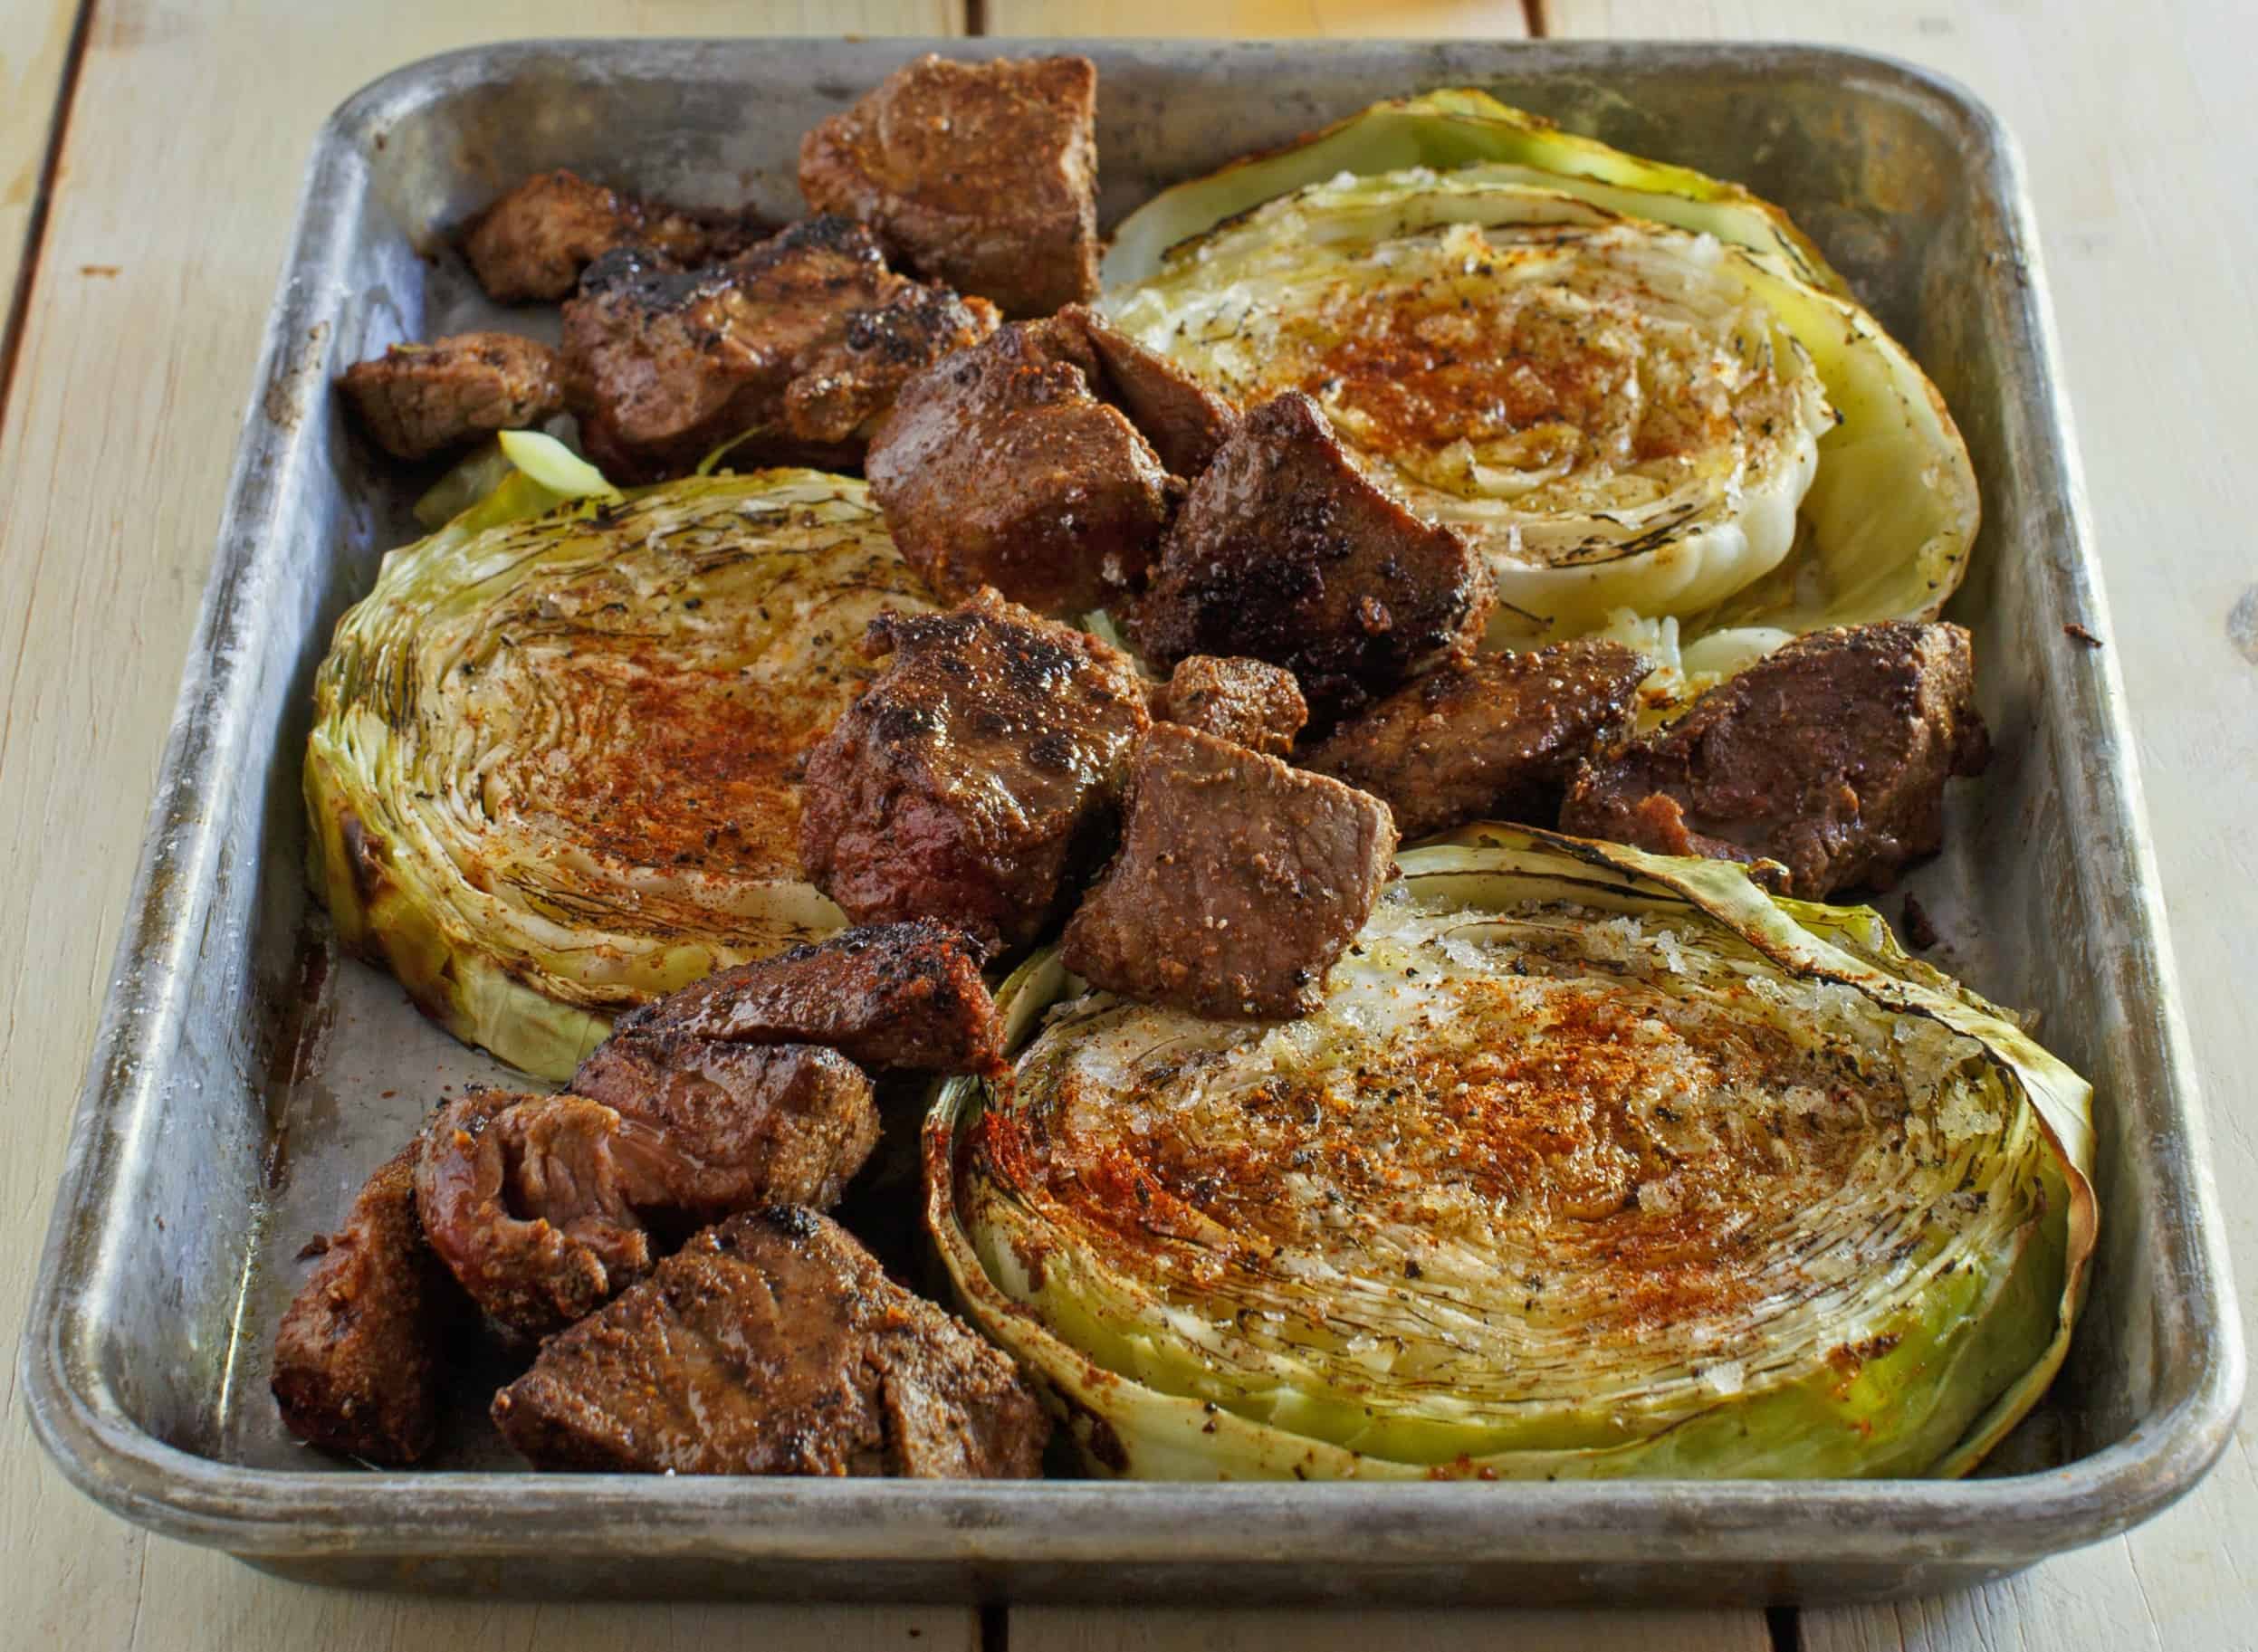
34 45
178 176
1264 19
2136 123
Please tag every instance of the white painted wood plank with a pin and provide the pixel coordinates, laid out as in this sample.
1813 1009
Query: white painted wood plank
179 178
34 40
2137 123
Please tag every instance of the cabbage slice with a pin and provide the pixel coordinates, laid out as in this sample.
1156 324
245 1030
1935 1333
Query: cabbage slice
1596 1164
1746 533
1606 407
549 776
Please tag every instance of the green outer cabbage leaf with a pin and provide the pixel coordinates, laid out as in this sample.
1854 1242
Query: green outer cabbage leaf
1823 1425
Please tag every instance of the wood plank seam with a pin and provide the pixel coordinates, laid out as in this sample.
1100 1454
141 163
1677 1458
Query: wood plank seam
35 228
1784 1628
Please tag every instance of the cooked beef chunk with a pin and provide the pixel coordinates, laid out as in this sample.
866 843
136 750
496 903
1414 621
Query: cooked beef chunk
774 1344
978 780
999 467
357 1359
904 997
1287 552
1246 702
538 1204
1186 423
420 399
1829 756
772 1120
535 242
981 175
1020 463
803 339
524 1199
1496 739
1239 883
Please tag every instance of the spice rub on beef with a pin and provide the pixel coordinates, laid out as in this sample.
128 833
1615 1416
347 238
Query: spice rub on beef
981 175
803 341
1287 552
978 780
740 1122
774 1344
893 997
420 399
1498 737
520 1197
1829 756
1045 461
1246 702
1239 884
533 243
542 1205
1186 423
356 1357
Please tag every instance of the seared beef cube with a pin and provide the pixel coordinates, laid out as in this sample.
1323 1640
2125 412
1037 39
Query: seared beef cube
1246 702
535 242
1239 884
1186 423
538 1204
1829 756
774 1344
999 467
896 997
1494 739
420 399
1287 552
803 341
1020 463
767 1122
978 780
981 175
356 1357
523 1198
843 391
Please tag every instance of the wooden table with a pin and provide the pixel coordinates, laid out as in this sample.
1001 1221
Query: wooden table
149 151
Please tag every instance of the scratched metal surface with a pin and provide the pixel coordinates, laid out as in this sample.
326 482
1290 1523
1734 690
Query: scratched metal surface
245 1078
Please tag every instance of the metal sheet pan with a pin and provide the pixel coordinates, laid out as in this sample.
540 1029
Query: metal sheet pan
245 1078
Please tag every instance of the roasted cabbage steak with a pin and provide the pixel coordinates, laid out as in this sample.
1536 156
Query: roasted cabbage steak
1594 1163
1640 391
551 776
